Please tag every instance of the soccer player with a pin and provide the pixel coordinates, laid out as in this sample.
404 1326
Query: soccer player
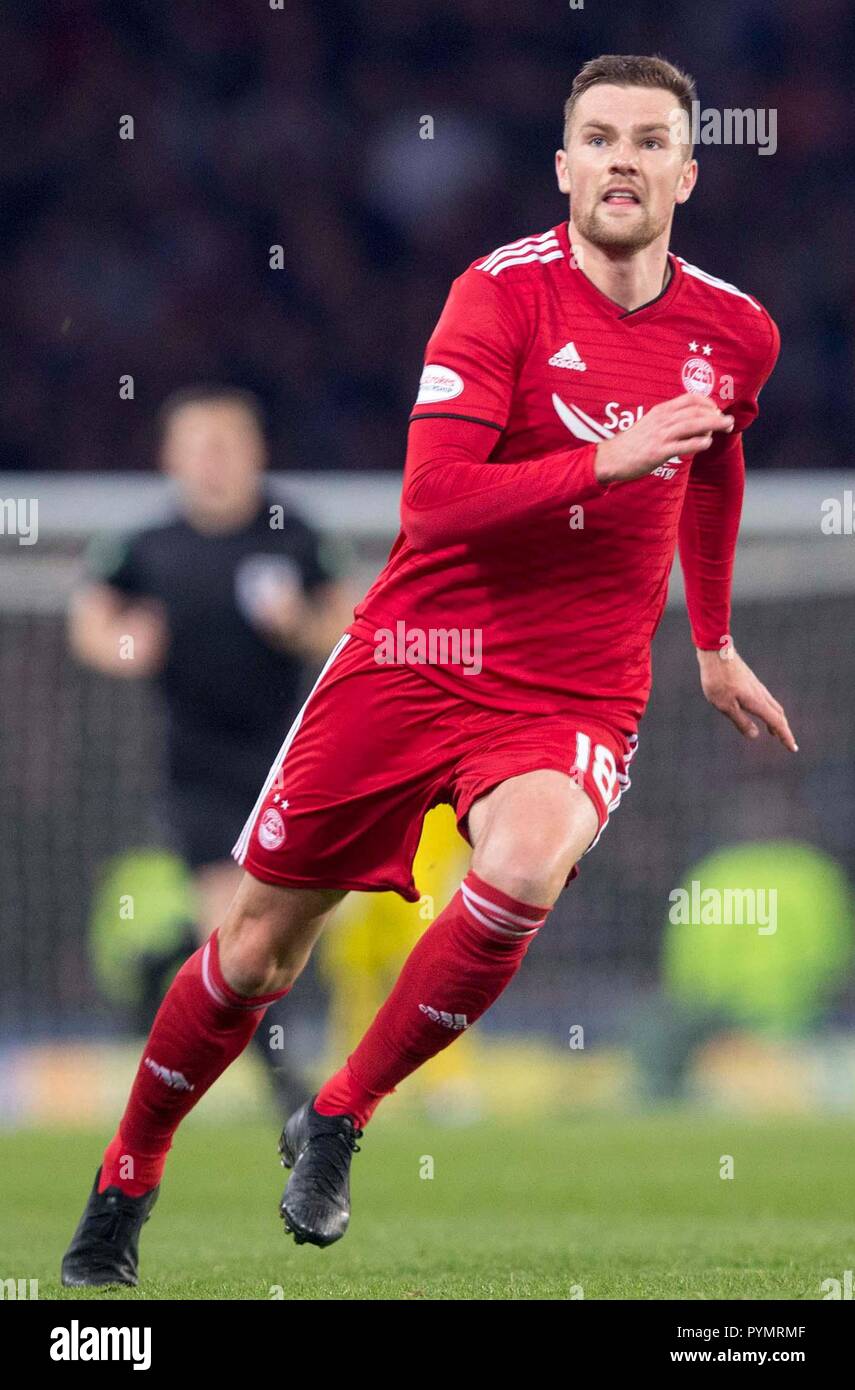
581 413
228 604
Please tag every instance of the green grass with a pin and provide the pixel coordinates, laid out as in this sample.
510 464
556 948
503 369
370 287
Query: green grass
625 1207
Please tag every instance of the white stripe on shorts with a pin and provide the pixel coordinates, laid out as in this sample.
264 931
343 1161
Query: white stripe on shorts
242 845
624 785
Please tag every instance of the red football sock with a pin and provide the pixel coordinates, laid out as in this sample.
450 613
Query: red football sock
450 978
201 1027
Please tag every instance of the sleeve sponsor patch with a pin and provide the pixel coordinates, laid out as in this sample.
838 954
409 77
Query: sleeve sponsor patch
438 383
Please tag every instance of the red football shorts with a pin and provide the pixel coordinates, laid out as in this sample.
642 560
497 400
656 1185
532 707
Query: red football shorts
376 746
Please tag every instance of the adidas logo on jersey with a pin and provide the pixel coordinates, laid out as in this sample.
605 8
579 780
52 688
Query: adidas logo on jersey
568 357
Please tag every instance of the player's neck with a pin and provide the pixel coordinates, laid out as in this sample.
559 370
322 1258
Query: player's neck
237 517
629 279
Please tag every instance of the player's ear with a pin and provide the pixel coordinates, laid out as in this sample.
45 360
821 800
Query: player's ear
688 179
561 171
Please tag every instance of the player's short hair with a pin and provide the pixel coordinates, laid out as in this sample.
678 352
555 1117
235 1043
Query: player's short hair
627 70
210 393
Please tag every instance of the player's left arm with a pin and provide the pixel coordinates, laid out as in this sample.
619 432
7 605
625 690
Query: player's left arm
311 623
709 525
732 687
308 617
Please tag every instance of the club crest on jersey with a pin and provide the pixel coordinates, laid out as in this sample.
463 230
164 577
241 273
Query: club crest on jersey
438 383
698 376
271 829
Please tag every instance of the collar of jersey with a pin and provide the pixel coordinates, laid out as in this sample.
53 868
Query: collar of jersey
582 285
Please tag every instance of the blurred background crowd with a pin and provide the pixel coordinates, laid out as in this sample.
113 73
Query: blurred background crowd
296 123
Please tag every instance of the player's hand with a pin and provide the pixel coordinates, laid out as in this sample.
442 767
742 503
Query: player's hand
734 689
673 429
280 611
144 622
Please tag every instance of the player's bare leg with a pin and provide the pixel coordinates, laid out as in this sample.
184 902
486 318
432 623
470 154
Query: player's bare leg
529 832
527 835
215 886
207 1018
268 933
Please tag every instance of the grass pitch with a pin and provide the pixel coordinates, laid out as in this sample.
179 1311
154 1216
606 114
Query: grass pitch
600 1207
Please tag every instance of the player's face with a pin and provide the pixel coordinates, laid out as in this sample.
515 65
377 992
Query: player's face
623 171
215 451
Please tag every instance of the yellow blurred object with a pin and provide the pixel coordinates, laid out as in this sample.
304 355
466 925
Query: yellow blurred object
364 948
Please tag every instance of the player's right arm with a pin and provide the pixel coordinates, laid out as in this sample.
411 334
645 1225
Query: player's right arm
114 636
451 493
114 625
678 428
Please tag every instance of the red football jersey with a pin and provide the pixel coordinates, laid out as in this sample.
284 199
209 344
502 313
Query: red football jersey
554 583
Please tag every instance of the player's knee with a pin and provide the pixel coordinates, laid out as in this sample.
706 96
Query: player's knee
528 849
528 868
267 936
255 956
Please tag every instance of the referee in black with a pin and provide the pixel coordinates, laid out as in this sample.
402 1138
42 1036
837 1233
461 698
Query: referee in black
231 606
